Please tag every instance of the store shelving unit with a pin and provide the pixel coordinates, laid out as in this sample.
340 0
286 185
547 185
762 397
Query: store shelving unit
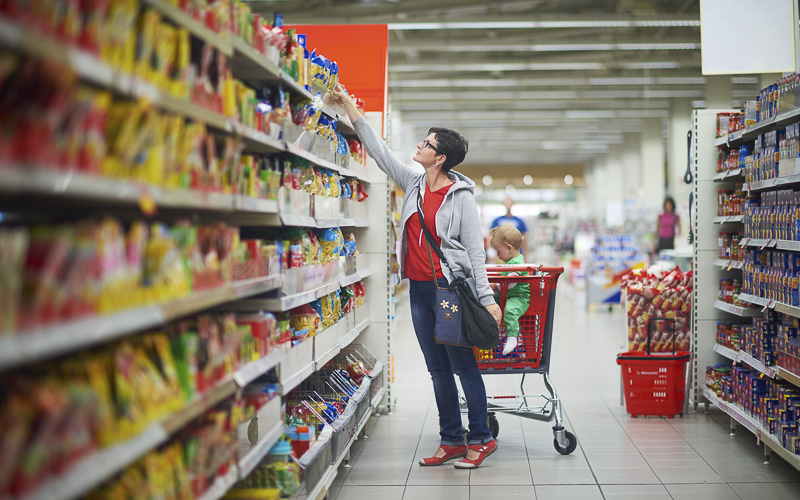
369 324
708 270
708 266
762 435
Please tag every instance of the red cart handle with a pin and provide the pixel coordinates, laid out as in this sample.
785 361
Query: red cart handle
523 268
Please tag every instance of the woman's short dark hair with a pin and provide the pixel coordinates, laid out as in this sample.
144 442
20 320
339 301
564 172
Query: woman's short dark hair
451 144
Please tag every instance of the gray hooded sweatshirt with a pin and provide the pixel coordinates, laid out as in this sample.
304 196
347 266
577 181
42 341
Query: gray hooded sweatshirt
457 221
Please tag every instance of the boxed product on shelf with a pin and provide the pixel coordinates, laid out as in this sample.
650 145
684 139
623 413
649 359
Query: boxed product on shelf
652 294
773 403
773 275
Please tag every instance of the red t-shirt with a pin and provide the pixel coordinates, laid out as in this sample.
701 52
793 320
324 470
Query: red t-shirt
418 266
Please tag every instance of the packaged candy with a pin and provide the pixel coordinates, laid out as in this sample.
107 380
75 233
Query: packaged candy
349 244
331 244
305 318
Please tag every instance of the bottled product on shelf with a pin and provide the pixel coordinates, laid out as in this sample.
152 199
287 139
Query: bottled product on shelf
653 295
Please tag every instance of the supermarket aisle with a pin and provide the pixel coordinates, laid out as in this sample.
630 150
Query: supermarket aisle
690 457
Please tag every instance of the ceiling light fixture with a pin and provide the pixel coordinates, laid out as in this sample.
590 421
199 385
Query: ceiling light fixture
528 180
487 180
568 180
609 23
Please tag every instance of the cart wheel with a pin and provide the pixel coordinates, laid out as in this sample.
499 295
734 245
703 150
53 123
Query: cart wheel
572 443
494 425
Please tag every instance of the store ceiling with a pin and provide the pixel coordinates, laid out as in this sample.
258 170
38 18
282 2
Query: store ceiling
531 82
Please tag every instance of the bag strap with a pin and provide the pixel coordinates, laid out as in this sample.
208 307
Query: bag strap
429 237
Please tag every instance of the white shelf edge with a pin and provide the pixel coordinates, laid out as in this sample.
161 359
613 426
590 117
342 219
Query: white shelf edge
350 279
258 451
253 370
297 378
754 427
348 338
788 376
377 399
99 466
323 359
221 485
330 473
365 273
725 351
195 27
743 312
728 264
61 338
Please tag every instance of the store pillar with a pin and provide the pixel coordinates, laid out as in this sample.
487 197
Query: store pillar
719 92
651 159
680 122
632 178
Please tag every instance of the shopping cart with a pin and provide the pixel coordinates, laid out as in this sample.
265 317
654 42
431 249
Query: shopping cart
532 354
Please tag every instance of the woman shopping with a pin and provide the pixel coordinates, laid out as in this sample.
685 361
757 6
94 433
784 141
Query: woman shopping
451 214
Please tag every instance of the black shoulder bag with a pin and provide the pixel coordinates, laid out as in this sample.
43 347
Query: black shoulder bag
477 325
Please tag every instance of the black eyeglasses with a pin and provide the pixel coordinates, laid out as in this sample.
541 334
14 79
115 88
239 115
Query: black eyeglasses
427 144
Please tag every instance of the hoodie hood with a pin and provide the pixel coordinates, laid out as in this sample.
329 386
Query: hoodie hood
460 181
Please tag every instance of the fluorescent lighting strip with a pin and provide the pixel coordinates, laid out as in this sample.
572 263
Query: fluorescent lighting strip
481 25
555 82
544 47
548 95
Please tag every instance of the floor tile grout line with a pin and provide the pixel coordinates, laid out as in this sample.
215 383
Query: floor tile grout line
565 413
702 457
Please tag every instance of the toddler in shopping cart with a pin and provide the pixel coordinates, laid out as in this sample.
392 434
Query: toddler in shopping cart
507 241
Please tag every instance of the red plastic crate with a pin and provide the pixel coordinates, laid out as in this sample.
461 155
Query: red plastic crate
654 385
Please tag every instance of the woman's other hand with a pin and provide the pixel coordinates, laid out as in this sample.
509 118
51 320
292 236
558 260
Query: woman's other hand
495 311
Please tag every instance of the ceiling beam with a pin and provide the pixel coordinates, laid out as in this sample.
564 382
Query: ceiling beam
563 81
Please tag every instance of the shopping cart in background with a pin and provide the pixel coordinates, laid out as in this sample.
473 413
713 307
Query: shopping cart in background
532 354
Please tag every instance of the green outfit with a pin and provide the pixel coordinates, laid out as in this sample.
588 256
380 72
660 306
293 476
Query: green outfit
518 299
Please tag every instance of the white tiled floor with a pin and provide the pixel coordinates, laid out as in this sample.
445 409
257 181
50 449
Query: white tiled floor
617 456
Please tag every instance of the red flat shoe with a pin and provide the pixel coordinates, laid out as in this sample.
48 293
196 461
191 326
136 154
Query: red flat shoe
484 450
451 452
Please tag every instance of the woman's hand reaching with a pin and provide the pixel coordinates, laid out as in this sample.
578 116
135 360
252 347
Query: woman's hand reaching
341 98
495 311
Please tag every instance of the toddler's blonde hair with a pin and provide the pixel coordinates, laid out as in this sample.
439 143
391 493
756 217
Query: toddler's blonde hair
506 235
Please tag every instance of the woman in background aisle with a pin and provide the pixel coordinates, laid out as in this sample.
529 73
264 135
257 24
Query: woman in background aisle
669 225
451 215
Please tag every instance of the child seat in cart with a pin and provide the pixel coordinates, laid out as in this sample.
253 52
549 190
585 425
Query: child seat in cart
532 354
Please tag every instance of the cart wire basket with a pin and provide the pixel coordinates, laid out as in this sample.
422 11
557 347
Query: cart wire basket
532 354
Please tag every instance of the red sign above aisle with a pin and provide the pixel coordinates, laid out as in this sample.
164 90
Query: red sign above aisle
362 53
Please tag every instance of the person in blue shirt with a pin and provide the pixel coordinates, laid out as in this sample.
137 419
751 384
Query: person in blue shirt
515 221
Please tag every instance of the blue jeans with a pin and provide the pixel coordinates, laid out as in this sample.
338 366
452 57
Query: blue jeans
443 361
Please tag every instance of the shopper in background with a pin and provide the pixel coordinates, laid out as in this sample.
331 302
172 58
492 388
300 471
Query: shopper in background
515 221
451 215
668 226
